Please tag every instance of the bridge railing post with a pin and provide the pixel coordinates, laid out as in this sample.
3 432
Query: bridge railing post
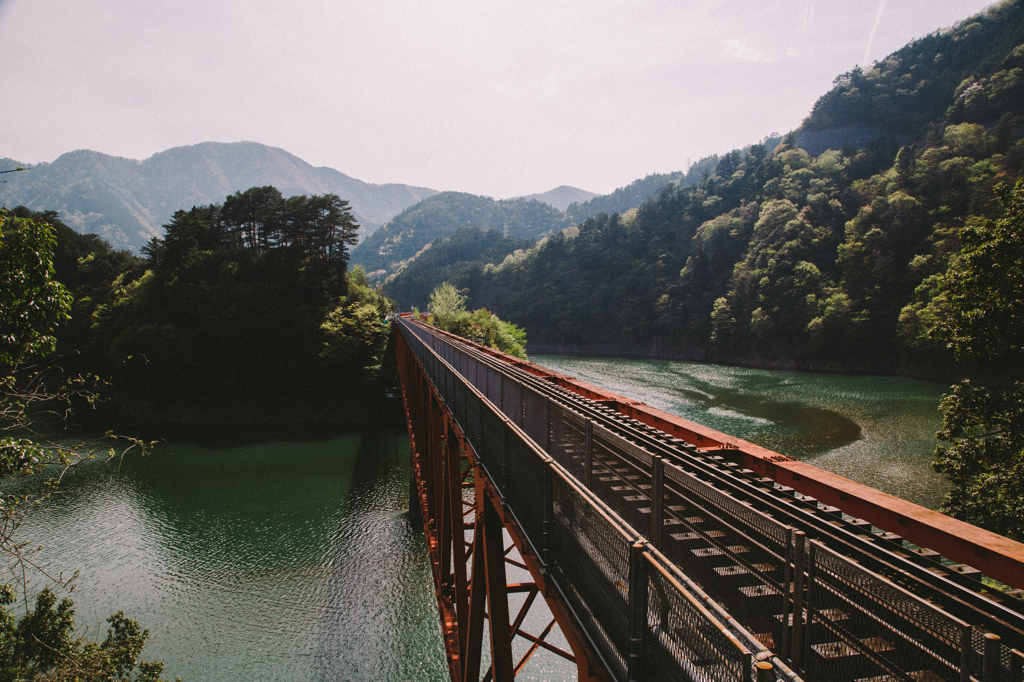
588 458
637 611
657 500
549 515
799 623
991 666
787 600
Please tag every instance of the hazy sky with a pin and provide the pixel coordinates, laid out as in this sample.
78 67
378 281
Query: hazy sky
495 98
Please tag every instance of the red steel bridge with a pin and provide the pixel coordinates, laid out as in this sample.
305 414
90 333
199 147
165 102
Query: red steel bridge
565 521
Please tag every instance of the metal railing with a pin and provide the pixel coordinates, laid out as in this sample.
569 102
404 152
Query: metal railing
602 510
626 596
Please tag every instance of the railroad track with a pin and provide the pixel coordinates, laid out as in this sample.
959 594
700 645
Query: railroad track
728 561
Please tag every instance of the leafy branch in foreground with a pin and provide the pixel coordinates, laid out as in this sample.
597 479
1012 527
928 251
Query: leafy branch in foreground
41 646
34 394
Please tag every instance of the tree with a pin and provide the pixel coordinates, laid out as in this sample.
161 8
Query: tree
985 288
254 217
448 310
984 426
446 304
32 304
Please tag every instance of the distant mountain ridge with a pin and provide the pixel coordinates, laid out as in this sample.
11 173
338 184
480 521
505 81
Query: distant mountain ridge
562 196
126 201
529 217
442 214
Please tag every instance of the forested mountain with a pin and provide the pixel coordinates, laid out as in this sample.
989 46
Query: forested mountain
127 201
637 192
970 74
396 245
561 197
442 214
459 260
787 258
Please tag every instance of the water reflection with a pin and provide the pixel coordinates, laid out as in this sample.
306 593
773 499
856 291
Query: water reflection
272 561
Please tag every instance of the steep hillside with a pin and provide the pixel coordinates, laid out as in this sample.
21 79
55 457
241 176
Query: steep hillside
637 192
396 245
127 201
972 74
786 258
442 214
459 259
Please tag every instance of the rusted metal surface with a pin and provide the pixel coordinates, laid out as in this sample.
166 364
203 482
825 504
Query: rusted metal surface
465 542
995 555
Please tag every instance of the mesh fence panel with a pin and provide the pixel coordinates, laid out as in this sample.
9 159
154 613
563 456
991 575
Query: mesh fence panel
592 570
535 416
683 642
568 440
863 626
448 387
526 490
512 401
492 444
494 387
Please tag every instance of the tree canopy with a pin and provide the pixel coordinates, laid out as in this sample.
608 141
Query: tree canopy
984 425
448 312
985 288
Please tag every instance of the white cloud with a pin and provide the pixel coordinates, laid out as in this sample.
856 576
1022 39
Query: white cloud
738 51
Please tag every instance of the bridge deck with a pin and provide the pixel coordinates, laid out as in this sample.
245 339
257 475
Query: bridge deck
643 544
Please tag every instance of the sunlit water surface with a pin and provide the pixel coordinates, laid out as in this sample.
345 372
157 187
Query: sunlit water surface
276 561
879 431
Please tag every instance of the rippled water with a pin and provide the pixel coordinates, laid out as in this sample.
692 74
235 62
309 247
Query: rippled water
275 561
879 431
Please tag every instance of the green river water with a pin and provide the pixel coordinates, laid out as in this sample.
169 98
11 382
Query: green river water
295 559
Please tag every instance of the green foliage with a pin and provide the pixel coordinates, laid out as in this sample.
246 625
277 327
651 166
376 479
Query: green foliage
977 62
448 312
985 457
446 304
353 331
248 304
985 288
444 213
459 259
32 301
984 426
41 646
